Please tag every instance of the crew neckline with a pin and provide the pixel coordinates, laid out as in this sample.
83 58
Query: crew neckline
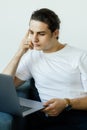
56 52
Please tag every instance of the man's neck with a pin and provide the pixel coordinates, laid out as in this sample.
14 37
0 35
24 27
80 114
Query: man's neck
56 47
59 46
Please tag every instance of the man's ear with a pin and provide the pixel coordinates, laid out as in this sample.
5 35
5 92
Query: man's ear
56 33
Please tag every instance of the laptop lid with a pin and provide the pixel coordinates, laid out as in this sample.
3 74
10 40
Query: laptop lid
10 102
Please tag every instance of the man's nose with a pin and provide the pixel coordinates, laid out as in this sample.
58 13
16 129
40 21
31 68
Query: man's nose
35 37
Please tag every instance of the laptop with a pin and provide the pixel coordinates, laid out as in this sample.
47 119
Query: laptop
11 103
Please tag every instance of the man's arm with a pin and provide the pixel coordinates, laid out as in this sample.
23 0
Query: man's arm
13 64
55 106
12 67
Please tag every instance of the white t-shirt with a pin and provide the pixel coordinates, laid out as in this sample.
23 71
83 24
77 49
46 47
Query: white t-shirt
61 74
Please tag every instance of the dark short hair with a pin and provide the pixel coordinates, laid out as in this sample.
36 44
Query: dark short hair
47 16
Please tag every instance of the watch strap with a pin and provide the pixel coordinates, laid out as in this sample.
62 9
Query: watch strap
68 104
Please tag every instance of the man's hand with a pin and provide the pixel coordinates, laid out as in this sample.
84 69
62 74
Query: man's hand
54 106
25 44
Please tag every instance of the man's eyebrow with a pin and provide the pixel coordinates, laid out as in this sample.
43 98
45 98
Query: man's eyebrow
41 32
38 31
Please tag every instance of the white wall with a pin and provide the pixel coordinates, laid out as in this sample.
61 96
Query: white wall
14 18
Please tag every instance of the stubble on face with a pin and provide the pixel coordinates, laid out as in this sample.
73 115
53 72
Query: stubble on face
41 36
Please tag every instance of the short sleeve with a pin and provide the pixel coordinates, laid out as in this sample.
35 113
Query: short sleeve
83 70
23 70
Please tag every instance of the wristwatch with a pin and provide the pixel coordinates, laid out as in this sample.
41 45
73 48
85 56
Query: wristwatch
68 106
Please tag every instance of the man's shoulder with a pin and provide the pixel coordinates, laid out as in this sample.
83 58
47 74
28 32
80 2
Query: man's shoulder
74 54
74 50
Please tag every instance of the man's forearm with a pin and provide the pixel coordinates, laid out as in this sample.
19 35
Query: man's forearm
13 64
79 103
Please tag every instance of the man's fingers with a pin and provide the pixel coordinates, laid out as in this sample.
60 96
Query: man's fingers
27 34
29 44
49 102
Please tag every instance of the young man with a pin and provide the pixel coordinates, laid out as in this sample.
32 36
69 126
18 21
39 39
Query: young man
59 71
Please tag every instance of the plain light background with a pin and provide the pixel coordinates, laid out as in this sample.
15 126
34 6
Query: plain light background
14 19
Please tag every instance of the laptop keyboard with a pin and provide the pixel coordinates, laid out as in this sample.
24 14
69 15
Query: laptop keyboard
24 108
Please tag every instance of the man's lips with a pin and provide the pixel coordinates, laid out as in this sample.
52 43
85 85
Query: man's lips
36 45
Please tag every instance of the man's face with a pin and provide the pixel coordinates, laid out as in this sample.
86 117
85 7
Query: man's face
41 36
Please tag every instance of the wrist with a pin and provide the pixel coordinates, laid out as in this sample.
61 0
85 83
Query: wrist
68 105
20 53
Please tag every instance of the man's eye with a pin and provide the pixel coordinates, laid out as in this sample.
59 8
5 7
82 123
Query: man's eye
30 32
42 34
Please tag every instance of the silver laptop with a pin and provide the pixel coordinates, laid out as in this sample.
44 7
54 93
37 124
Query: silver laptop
11 103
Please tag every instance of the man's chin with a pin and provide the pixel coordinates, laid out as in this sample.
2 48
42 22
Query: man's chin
37 48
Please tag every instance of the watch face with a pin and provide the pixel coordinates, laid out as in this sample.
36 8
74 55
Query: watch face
68 108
